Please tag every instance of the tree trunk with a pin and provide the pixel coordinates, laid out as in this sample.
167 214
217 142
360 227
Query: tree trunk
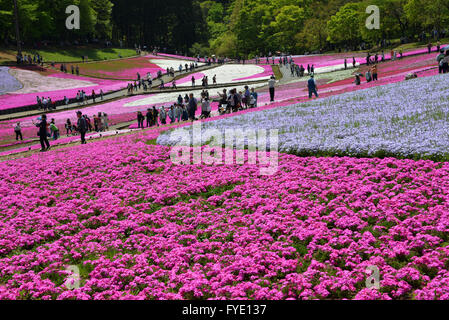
16 16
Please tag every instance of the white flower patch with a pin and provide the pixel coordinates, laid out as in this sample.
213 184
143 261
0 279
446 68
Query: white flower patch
229 74
34 82
171 63
171 97
337 67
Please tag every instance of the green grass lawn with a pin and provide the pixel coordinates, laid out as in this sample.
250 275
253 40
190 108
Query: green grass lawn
118 69
277 72
397 46
411 46
75 54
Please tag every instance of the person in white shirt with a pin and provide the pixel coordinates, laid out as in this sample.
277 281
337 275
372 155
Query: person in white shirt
18 131
205 108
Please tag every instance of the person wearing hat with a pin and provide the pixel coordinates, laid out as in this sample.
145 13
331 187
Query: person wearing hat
82 126
311 84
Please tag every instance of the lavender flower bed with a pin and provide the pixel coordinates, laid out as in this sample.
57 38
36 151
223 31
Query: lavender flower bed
406 119
7 82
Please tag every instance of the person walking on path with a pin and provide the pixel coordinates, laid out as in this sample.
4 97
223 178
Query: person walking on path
155 117
43 133
193 106
96 122
445 63
171 114
178 113
163 116
105 121
140 119
149 117
311 84
440 62
271 85
18 131
246 97
353 62
254 97
205 108
68 127
54 130
82 126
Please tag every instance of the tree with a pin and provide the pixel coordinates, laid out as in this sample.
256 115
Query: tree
428 14
344 26
103 10
286 25
313 36
87 18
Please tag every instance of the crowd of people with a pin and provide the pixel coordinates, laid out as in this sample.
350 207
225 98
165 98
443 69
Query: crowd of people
185 108
27 59
234 101
47 104
73 69
49 130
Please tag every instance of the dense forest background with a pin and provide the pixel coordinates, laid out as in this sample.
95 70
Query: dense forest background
224 27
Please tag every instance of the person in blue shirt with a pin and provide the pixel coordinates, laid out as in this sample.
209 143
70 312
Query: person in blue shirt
311 84
247 97
255 96
193 105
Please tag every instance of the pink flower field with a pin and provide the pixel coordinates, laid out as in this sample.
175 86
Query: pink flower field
327 60
139 227
14 100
